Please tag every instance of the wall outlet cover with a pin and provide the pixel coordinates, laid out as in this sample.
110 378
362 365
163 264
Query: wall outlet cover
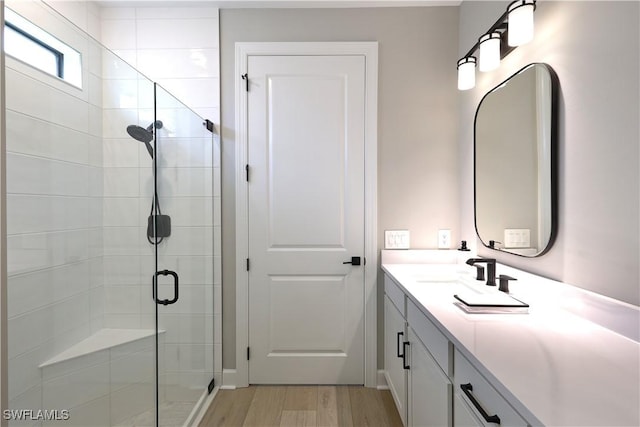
444 239
396 239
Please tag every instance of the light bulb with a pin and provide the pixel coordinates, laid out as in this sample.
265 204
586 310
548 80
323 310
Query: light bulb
520 22
489 51
467 73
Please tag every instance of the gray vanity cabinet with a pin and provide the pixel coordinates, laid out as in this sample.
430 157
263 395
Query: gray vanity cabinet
419 383
395 333
429 389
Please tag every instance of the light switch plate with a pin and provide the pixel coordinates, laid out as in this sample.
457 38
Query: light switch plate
444 239
396 239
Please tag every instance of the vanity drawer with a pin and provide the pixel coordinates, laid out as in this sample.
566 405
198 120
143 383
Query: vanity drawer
437 344
395 294
485 396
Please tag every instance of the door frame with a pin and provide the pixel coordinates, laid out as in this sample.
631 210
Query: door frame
370 52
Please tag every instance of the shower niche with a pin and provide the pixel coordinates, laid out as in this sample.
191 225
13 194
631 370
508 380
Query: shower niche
109 241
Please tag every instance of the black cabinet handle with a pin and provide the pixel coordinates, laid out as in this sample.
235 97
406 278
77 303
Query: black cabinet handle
467 389
398 344
404 354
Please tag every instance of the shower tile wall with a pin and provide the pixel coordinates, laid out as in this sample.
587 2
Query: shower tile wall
54 213
177 47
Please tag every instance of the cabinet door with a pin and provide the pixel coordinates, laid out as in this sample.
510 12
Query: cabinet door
430 391
395 374
462 415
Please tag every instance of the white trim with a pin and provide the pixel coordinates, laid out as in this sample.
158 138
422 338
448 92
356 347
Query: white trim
200 409
382 380
370 51
228 379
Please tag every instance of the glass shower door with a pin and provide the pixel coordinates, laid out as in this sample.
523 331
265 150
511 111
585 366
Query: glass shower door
180 232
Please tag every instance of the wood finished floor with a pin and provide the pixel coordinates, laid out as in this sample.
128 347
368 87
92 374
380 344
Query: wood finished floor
301 406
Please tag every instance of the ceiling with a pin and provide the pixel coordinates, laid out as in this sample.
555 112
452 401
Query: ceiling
235 4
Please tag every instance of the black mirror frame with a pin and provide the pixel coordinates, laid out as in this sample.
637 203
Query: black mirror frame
554 151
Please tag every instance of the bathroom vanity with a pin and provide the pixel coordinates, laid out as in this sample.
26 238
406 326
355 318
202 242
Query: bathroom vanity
572 359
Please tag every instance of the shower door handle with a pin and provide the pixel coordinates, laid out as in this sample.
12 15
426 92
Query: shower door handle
175 287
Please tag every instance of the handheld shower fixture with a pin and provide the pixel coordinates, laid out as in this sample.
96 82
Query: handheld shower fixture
144 135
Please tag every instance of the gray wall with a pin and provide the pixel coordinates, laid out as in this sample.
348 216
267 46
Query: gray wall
417 120
597 247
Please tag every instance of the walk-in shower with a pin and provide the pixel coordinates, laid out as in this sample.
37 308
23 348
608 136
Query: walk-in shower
106 325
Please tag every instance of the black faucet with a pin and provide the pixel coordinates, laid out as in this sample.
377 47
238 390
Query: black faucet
491 269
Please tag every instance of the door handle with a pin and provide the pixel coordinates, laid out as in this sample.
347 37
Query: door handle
355 260
175 287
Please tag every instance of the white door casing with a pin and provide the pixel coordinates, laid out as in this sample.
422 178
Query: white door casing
289 254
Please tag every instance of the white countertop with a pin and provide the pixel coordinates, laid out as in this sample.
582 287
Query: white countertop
555 367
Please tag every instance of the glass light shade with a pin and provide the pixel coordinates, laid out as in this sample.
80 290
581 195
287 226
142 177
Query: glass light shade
489 52
520 22
467 73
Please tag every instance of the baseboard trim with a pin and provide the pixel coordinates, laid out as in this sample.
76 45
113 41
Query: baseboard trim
200 409
382 381
228 379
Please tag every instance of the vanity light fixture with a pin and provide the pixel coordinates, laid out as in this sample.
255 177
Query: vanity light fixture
520 18
512 29
467 73
489 51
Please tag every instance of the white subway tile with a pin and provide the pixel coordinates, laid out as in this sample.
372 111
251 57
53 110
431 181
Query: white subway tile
120 93
121 152
122 299
119 34
111 13
183 328
194 92
132 400
30 135
37 99
24 372
122 211
177 33
133 368
31 399
119 64
77 388
121 182
70 366
122 241
121 270
177 13
179 63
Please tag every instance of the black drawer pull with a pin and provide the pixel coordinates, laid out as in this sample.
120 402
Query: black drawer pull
398 344
404 354
467 389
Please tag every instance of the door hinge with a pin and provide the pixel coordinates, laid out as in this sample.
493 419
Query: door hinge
246 169
247 264
245 77
248 353
211 386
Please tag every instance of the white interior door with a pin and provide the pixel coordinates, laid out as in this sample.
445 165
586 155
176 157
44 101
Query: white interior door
306 218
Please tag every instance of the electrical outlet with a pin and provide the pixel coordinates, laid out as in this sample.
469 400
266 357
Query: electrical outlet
396 239
444 239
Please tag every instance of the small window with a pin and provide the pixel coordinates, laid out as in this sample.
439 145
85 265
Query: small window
34 46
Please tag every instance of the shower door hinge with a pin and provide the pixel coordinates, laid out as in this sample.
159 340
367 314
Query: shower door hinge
245 77
212 384
248 353
247 264
246 169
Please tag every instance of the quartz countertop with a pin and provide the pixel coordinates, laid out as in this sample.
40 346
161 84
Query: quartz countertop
557 365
